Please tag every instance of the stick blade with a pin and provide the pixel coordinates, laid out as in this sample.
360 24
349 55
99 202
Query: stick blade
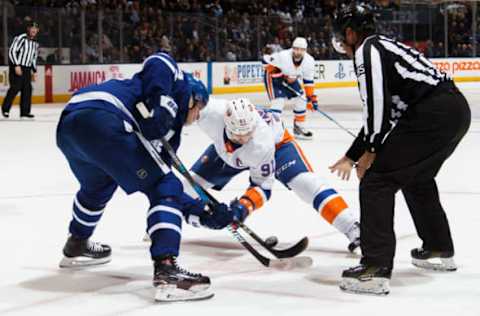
292 251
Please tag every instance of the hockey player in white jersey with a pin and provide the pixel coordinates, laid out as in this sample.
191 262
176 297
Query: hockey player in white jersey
283 71
245 138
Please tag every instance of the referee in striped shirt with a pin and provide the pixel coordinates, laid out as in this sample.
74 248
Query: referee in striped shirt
22 60
413 119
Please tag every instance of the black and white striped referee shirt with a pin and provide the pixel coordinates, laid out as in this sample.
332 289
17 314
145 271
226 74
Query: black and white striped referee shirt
391 77
23 52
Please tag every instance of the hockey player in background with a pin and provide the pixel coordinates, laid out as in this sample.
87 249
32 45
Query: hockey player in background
288 67
108 143
414 117
245 139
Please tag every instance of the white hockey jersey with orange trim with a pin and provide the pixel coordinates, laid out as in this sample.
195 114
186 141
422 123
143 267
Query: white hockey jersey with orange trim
258 155
284 62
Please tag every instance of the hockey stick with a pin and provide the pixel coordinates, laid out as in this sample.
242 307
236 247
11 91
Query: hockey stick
286 85
207 197
278 263
279 253
232 228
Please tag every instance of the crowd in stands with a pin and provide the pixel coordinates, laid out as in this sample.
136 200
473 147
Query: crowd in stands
207 30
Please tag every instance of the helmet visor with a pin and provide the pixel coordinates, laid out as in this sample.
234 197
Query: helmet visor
338 43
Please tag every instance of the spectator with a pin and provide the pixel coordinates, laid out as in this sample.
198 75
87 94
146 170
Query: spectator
209 24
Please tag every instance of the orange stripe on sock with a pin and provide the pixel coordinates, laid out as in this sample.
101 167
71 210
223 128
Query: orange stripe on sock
302 155
334 207
300 118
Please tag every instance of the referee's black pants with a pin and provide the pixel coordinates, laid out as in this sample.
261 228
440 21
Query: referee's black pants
22 84
409 161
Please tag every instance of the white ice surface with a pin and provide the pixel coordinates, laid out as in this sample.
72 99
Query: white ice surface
36 190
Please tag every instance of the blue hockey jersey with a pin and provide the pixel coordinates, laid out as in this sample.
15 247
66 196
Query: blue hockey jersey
158 84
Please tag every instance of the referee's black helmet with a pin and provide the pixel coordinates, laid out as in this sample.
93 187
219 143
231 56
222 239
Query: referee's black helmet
359 16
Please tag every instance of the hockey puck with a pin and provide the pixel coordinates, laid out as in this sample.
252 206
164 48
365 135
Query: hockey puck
271 241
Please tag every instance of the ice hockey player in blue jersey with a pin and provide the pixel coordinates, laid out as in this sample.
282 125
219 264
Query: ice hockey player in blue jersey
108 143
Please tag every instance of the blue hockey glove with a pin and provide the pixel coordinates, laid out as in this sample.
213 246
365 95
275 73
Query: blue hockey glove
240 211
219 218
197 213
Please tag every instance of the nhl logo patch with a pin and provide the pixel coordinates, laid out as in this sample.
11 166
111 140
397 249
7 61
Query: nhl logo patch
142 173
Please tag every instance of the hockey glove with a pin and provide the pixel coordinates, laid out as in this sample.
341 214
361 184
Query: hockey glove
312 104
240 211
219 218
197 213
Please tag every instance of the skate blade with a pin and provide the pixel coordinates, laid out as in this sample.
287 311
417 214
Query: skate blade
445 265
291 263
375 286
302 137
78 262
170 293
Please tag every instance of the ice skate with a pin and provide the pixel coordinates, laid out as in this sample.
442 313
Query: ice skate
354 236
175 284
442 260
27 117
83 252
364 279
300 132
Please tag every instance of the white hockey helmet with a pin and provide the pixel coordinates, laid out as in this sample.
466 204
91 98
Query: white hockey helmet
300 42
240 117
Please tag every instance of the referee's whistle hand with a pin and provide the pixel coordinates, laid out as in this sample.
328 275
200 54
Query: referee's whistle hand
364 163
343 167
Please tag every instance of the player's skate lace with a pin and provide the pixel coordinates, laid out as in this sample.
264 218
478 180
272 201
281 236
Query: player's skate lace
94 246
184 271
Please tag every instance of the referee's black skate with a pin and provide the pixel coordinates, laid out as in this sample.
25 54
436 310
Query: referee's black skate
28 117
174 284
83 252
365 279
425 259
300 132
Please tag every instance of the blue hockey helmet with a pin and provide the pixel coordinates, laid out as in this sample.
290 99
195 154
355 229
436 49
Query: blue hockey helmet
199 91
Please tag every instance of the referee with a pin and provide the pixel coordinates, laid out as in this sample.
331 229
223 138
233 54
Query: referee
414 118
22 60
